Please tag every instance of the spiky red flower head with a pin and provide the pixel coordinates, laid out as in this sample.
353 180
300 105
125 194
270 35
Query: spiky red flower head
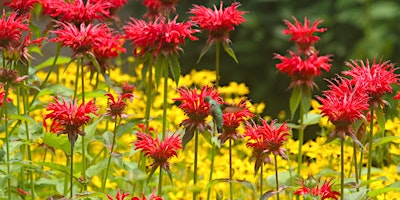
127 88
158 8
118 196
158 36
159 151
71 116
22 7
265 139
76 12
110 46
302 71
344 103
302 34
83 39
152 197
325 192
218 23
232 120
376 78
2 94
11 28
116 107
194 106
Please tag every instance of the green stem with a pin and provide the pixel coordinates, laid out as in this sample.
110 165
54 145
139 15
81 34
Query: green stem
68 160
261 179
165 103
5 110
342 168
230 170
301 141
72 172
148 94
160 183
355 164
371 126
217 53
83 127
196 151
211 168
109 158
26 112
276 178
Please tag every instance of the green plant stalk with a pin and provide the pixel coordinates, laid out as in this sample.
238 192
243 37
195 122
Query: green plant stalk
230 170
149 100
26 112
5 111
217 53
83 127
196 151
261 179
71 185
371 126
355 164
159 192
66 175
103 186
341 169
276 177
211 169
301 141
165 103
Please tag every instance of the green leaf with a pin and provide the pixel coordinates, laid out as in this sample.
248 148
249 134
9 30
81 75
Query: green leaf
376 192
230 52
380 117
203 51
311 118
294 100
383 140
272 193
61 60
125 128
305 99
26 118
58 142
94 61
175 69
356 195
226 180
246 184
94 94
97 168
381 178
54 166
216 181
159 66
57 89
108 137
91 195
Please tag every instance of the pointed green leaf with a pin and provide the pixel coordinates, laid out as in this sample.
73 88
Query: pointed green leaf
90 130
58 142
246 184
356 195
57 89
97 168
94 94
90 195
26 118
311 118
203 51
294 100
159 66
380 117
108 138
381 178
305 99
376 192
272 193
175 69
49 62
230 52
383 140
216 181
153 169
94 61
55 166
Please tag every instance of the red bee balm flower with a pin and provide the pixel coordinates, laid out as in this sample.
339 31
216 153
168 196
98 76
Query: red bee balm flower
376 79
11 30
157 8
194 106
231 121
325 192
2 94
71 116
303 71
158 36
344 104
116 108
218 22
302 34
21 6
266 139
118 196
159 151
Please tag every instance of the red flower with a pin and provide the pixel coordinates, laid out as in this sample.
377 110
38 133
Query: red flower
302 71
83 39
376 79
116 108
71 116
159 151
77 11
22 7
2 94
110 46
344 104
158 36
325 192
11 76
152 197
266 139
11 30
302 34
194 106
158 8
218 22
118 196
231 121
127 88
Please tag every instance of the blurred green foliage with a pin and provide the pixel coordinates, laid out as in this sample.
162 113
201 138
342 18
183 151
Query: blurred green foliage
357 29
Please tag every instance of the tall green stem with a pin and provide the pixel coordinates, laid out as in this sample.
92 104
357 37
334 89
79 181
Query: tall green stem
261 179
355 163
26 112
160 183
71 185
196 151
149 87
217 52
165 103
211 168
276 177
342 169
301 141
371 127
230 170
103 186
4 110
83 127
